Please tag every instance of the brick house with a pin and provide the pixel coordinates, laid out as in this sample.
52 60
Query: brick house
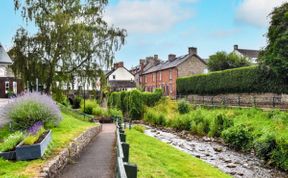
165 74
8 83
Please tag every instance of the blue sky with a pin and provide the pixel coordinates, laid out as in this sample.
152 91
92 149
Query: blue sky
171 26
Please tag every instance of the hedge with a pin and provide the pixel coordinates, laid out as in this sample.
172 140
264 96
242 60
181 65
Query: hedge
250 79
132 102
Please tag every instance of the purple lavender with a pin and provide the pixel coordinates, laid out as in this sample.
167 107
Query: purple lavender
35 128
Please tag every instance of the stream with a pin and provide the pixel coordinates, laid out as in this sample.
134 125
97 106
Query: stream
239 165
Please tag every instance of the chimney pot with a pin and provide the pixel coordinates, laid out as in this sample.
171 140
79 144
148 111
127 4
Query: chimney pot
171 57
155 56
235 47
118 65
192 50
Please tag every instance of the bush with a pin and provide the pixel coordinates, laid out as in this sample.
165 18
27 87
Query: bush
220 123
76 102
30 108
11 141
264 146
238 137
279 156
60 97
154 118
89 106
115 113
34 133
139 128
182 122
183 106
240 80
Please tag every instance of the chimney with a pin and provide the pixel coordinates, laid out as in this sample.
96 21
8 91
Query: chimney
155 56
118 65
171 57
235 47
192 50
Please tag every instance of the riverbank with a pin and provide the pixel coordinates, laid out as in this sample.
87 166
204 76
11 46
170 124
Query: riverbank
157 159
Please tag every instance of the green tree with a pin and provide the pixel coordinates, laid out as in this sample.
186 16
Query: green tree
221 61
275 55
71 37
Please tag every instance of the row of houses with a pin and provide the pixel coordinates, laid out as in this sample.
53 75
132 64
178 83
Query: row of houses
153 72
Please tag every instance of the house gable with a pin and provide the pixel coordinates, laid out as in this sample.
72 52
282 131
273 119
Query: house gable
121 74
192 65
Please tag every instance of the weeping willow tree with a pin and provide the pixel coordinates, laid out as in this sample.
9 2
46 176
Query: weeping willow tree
71 37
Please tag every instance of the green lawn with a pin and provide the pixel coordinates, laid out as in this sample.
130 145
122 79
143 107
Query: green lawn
157 159
69 128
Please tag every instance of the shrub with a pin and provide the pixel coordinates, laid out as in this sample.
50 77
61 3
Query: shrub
279 155
238 137
240 80
181 122
11 141
115 113
76 102
183 106
60 97
26 110
220 123
139 128
136 106
89 106
155 118
264 146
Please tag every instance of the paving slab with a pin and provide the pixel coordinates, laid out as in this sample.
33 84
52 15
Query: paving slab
97 160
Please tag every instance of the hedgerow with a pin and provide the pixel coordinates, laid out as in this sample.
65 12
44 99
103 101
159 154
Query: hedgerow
240 80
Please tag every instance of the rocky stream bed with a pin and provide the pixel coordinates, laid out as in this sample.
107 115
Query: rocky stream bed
240 165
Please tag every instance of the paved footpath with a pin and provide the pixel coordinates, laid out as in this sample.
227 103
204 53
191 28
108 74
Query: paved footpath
97 160
3 120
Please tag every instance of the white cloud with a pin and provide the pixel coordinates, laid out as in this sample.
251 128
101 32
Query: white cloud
256 12
148 16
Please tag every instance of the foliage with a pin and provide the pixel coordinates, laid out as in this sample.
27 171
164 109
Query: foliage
240 80
239 138
60 97
264 146
220 123
71 37
25 110
77 102
275 54
11 141
222 61
33 138
115 113
183 106
90 104
139 128
69 128
157 159
133 102
155 118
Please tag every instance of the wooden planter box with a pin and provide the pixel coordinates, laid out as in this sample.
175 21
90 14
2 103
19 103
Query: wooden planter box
10 155
28 152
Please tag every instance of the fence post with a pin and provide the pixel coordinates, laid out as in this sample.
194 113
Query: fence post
122 137
131 170
239 98
125 147
273 102
212 102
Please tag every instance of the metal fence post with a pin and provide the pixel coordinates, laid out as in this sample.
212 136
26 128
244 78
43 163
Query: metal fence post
125 147
131 170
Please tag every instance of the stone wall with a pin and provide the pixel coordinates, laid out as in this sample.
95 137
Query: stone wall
54 166
267 100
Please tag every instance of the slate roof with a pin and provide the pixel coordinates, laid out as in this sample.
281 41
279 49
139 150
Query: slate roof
122 84
249 53
167 64
4 58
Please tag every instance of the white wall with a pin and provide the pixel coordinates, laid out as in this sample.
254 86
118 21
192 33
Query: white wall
121 74
2 71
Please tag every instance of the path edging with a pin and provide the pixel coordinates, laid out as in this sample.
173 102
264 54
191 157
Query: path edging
53 167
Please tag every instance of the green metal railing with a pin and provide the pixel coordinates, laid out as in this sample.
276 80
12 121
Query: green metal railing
124 169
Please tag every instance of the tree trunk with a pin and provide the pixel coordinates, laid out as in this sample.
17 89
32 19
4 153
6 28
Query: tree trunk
49 80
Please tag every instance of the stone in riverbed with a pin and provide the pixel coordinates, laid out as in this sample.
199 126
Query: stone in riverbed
218 148
231 165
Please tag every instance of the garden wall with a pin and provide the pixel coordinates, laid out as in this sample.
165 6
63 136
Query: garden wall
266 100
53 167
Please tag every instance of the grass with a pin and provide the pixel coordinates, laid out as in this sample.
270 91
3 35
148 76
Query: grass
68 129
157 159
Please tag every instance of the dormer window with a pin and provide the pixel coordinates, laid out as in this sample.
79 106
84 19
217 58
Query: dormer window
114 77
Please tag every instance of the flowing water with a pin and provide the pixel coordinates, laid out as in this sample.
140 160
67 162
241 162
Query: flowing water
217 154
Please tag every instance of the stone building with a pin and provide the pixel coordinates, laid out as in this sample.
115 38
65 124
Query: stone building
251 54
164 74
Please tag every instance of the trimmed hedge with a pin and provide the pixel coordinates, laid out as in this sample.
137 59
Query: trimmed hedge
132 102
250 79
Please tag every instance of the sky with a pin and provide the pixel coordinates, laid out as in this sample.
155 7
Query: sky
165 27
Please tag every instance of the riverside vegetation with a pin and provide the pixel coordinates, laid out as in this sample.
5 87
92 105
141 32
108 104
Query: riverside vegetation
264 133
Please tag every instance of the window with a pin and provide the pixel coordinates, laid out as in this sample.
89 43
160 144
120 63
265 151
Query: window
160 75
7 87
154 77
171 88
114 77
170 74
145 79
